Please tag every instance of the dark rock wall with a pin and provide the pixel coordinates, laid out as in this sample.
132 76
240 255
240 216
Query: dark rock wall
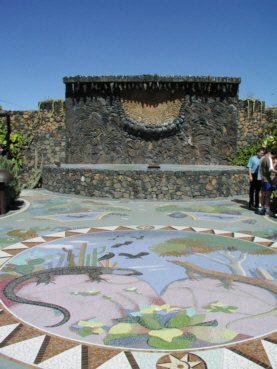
106 128
147 184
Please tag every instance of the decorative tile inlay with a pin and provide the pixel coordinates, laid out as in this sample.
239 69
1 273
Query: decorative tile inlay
70 359
219 318
271 350
118 362
25 351
6 330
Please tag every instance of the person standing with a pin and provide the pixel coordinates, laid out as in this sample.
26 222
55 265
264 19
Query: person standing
266 168
255 184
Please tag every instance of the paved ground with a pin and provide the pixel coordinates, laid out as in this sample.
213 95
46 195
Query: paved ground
173 284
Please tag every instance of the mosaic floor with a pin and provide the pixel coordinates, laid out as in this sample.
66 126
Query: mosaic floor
83 288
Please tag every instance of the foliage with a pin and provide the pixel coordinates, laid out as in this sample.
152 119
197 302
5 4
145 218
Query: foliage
12 190
245 153
267 137
271 140
13 143
166 328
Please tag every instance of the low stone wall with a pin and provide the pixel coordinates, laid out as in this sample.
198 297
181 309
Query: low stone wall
146 184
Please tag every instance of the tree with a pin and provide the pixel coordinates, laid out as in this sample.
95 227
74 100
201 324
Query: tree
234 251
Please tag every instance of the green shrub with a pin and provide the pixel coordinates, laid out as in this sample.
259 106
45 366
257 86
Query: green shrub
12 189
245 153
13 143
271 140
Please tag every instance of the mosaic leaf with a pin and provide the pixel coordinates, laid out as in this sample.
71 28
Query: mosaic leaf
178 322
166 334
149 322
180 343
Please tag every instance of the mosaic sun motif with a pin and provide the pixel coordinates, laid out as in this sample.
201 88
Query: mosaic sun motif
145 289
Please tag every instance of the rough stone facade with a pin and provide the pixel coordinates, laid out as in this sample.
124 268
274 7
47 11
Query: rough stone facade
252 119
145 184
145 119
44 131
142 119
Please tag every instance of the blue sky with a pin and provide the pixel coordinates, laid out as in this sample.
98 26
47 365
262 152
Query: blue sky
43 41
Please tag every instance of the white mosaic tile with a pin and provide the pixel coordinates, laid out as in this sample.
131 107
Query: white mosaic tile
6 330
259 239
241 235
118 362
197 229
178 228
4 260
4 254
233 360
110 228
219 232
70 359
16 246
271 351
147 360
83 230
36 239
213 358
58 234
25 351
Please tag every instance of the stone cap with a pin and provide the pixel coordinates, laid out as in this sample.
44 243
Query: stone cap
151 78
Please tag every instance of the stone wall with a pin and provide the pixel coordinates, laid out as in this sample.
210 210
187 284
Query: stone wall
146 184
44 131
252 119
146 119
141 119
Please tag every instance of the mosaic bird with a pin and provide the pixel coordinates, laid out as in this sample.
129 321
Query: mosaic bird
138 238
108 256
123 244
137 256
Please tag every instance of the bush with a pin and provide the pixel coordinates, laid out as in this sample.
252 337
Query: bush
245 153
12 188
13 143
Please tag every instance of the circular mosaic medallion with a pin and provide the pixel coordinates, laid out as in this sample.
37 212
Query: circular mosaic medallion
150 289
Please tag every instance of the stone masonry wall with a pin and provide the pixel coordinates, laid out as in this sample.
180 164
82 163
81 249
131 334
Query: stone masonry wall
45 132
96 133
151 119
252 119
138 184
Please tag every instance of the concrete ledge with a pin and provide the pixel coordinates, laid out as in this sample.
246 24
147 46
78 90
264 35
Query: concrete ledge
138 182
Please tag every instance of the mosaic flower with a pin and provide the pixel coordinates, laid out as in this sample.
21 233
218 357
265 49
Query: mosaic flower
132 289
156 308
161 326
87 293
89 327
220 307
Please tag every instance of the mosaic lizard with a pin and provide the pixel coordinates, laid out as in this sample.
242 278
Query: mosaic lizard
44 276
